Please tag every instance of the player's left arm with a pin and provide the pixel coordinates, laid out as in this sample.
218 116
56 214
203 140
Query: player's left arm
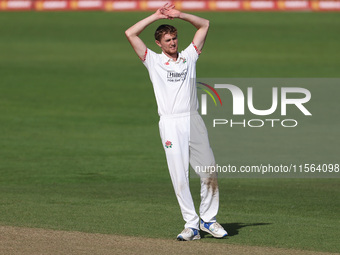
201 24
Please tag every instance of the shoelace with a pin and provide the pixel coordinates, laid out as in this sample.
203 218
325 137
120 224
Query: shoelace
216 226
187 231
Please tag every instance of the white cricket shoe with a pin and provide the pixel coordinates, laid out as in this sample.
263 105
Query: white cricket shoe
189 234
213 228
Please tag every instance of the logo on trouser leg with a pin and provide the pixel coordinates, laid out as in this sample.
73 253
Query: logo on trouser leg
168 144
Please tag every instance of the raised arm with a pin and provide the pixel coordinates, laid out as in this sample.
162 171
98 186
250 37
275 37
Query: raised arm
133 32
201 24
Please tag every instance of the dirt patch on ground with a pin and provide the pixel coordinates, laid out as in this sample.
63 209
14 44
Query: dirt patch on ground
30 241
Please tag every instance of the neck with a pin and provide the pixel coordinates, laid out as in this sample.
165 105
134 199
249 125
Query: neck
172 56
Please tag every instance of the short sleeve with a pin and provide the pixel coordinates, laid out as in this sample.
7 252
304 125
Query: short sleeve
149 58
192 51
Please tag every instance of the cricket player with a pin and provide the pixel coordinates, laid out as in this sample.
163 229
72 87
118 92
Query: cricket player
183 133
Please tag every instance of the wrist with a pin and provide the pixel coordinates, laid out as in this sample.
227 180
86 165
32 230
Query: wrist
181 15
154 16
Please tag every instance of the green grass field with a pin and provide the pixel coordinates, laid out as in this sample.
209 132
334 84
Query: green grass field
79 142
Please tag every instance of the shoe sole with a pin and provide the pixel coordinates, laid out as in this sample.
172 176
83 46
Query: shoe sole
181 238
211 233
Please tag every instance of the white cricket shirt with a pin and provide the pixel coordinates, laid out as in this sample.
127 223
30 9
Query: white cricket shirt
174 82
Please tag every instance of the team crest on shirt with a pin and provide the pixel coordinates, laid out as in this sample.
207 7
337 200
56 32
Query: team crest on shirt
168 144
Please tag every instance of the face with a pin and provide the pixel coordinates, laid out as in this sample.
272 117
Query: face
168 44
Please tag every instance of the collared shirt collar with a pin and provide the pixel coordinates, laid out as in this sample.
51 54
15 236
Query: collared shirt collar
168 60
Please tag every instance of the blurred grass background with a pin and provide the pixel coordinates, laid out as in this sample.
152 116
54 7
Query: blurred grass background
79 142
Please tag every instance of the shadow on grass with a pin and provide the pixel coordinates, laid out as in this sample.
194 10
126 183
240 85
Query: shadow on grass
232 228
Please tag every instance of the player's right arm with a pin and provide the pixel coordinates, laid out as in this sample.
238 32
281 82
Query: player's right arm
133 32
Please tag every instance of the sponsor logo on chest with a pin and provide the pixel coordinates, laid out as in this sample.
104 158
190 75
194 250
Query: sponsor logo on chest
173 76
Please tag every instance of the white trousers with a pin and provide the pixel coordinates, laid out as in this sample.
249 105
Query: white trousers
185 139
